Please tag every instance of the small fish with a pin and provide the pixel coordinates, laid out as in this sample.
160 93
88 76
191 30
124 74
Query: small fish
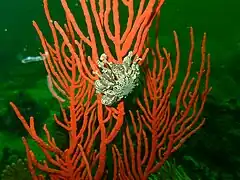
30 59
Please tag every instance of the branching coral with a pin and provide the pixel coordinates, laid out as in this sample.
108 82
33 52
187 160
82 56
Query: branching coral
71 78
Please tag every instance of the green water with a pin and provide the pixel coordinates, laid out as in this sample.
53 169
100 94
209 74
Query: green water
213 153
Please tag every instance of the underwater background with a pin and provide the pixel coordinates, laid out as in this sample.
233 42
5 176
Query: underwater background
213 153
